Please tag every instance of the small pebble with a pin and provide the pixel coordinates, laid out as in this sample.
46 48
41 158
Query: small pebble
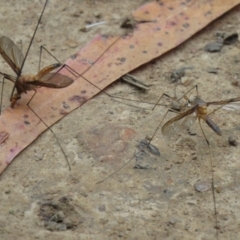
71 43
128 23
230 38
212 70
97 15
191 202
68 223
39 156
177 74
144 144
172 221
186 81
202 186
213 47
232 140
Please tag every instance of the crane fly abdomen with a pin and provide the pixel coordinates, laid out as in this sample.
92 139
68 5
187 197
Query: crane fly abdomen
213 126
47 70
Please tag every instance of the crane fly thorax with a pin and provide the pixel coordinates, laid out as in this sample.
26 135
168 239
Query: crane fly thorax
200 106
201 109
23 83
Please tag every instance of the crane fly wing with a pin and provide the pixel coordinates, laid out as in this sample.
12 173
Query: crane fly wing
174 124
187 122
11 54
53 80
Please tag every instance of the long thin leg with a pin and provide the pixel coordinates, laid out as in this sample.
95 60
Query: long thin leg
30 44
10 78
218 108
170 110
110 175
213 184
184 95
28 104
81 75
126 163
166 95
156 130
2 96
174 99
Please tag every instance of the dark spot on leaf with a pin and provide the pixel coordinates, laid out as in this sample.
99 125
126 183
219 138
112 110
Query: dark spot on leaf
144 52
208 13
166 32
172 23
131 46
161 4
63 112
122 59
12 150
170 8
26 122
181 13
25 116
65 105
83 92
185 25
158 29
78 99
74 56
109 64
146 12
159 44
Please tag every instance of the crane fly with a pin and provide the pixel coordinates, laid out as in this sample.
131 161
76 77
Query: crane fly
24 83
198 110
44 78
184 119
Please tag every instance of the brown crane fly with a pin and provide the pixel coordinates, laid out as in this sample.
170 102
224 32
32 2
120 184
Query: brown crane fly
44 78
23 83
197 110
